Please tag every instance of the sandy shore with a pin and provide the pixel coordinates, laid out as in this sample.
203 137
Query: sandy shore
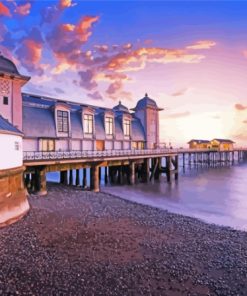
81 243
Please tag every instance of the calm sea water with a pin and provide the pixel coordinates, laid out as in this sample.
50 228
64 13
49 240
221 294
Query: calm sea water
215 195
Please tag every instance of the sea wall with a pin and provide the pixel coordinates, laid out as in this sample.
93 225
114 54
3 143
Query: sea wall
13 200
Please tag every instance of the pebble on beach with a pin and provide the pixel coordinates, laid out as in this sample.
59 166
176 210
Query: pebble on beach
76 242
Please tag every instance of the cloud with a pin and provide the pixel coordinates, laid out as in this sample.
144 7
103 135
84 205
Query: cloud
240 107
29 53
102 48
245 121
59 90
23 9
179 115
245 53
136 60
127 46
95 96
202 44
115 91
65 4
87 79
215 117
4 10
66 40
180 92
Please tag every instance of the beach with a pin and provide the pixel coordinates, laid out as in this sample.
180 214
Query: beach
75 242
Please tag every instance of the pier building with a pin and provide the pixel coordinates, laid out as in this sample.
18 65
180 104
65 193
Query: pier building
41 134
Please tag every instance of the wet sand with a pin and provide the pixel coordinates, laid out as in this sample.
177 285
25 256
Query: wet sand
75 242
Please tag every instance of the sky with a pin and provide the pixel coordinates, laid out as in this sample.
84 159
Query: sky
189 56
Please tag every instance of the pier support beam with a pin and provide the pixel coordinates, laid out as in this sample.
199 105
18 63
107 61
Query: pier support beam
145 170
95 178
77 178
41 182
71 177
106 175
176 167
84 179
132 173
168 168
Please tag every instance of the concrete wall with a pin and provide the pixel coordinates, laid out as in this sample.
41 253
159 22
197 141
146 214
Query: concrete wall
10 151
13 201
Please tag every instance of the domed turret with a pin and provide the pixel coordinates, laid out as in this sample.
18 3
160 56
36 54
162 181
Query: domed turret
120 108
146 102
148 112
7 66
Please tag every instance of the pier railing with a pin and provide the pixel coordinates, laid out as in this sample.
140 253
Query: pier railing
53 155
91 154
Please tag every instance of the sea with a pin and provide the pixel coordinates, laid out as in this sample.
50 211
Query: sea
215 195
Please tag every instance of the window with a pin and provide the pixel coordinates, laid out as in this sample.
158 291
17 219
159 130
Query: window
63 121
48 145
109 125
126 126
17 146
88 124
5 100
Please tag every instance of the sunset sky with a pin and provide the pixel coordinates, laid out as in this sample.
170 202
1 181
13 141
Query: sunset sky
191 57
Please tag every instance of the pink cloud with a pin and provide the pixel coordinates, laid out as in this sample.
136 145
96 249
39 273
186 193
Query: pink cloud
136 60
95 96
30 53
179 115
23 9
180 92
240 107
202 44
4 10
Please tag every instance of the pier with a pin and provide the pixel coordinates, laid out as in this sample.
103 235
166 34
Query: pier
142 165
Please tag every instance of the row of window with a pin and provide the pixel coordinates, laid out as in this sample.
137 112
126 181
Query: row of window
63 124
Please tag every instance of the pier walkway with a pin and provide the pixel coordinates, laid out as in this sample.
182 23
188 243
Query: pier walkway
145 164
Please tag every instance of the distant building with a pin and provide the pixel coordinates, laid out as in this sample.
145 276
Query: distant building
219 144
222 144
199 144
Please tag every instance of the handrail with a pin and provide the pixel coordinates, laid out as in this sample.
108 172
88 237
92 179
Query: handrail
76 154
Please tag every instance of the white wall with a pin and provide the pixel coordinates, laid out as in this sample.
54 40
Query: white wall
62 145
117 145
126 145
108 145
76 145
10 157
87 145
30 145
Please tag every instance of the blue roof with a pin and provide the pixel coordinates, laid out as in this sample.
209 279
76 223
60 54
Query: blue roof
7 66
38 122
138 133
146 102
8 127
120 108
